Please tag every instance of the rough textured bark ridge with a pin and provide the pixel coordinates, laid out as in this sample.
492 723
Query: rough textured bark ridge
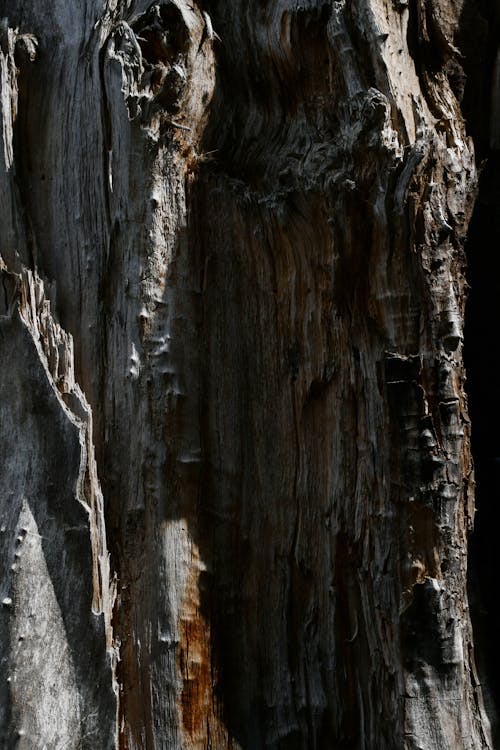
233 296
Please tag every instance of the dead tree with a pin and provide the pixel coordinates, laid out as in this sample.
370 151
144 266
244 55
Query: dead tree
236 478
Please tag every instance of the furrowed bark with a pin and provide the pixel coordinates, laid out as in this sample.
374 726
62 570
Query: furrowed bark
251 222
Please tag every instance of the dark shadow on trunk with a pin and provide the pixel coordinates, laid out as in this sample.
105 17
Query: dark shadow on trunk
482 359
479 39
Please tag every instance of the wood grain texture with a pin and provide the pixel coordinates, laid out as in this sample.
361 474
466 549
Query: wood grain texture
250 222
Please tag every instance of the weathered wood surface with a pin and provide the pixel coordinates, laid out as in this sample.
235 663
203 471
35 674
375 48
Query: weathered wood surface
254 247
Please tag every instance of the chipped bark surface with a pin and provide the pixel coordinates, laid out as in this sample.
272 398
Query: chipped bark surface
232 245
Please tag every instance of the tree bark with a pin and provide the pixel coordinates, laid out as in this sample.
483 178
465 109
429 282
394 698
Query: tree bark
232 242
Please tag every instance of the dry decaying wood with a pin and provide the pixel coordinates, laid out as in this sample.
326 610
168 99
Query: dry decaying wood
233 297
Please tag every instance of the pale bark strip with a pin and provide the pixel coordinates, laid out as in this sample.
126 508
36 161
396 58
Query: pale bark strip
57 685
57 595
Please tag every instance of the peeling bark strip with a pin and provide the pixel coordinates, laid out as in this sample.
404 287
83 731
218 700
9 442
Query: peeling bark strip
56 589
250 222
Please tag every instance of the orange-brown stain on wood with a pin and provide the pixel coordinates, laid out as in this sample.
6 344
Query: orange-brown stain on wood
194 667
199 716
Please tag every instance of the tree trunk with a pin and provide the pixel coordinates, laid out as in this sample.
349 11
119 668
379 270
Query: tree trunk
232 308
